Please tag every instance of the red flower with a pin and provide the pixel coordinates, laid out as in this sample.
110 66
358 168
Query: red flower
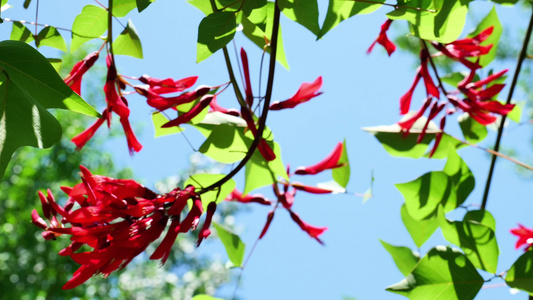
168 85
313 231
216 107
247 82
73 79
306 92
383 40
421 72
236 195
196 110
330 162
270 217
205 231
525 237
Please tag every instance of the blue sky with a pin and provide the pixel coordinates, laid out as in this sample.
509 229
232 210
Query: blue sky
360 90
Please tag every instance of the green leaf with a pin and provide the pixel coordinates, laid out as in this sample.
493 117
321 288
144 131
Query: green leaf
91 23
490 20
49 36
482 217
122 7
520 275
424 194
476 240
143 4
420 230
303 12
214 32
340 10
205 297
23 121
56 63
443 274
462 178
233 244
516 113
260 173
204 180
29 69
128 42
26 3
445 26
506 2
256 34
342 174
473 131
226 144
21 33
404 258
158 119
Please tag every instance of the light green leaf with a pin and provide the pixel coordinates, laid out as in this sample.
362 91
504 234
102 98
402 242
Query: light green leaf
443 274
205 297
303 12
490 20
404 258
49 36
476 240
420 230
21 33
226 144
56 63
214 32
233 244
122 7
424 194
482 217
520 275
128 42
340 10
143 4
462 178
342 174
91 23
472 130
158 119
516 113
204 180
261 173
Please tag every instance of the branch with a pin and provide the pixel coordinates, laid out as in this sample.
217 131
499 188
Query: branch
266 106
521 58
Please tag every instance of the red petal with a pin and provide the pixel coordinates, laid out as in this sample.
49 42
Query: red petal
306 92
330 162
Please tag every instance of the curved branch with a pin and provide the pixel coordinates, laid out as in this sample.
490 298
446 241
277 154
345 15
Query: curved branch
266 106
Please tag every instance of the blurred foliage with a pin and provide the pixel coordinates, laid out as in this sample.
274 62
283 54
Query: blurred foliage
31 268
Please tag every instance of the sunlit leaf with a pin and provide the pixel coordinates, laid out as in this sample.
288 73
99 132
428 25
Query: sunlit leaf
303 12
472 130
462 178
226 144
21 33
89 24
128 42
261 173
158 119
122 7
205 297
204 180
214 32
233 244
404 258
490 20
420 230
342 174
49 36
340 10
443 274
56 63
520 275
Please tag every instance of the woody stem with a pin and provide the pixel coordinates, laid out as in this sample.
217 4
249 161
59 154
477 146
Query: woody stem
266 105
521 58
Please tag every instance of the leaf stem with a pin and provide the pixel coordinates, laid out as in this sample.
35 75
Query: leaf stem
266 105
521 58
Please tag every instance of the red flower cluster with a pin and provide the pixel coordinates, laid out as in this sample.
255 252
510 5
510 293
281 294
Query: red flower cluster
118 219
383 40
478 96
525 237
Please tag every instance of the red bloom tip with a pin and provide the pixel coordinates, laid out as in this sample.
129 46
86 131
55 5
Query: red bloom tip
205 232
248 84
81 139
313 231
330 162
236 195
383 40
37 220
525 237
270 217
186 117
306 92
310 189
73 79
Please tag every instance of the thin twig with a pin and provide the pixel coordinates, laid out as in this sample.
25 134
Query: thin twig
36 24
396 6
521 58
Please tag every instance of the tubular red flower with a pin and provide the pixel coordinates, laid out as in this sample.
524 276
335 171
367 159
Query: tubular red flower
270 217
313 231
133 143
168 85
525 237
247 82
205 232
383 40
81 139
330 162
236 195
216 107
73 79
306 92
309 189
186 117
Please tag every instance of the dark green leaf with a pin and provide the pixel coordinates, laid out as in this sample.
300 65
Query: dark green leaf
214 32
56 63
49 36
475 239
21 33
490 20
340 10
304 12
26 3
472 130
342 174
233 244
143 4
443 274
462 178
122 7
420 230
204 180
89 24
520 275
505 2
404 258
424 194
128 42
